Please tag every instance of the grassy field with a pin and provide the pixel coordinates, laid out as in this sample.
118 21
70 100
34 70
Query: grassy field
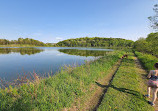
126 90
59 91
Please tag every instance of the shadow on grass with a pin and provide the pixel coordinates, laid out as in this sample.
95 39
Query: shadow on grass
125 90
106 87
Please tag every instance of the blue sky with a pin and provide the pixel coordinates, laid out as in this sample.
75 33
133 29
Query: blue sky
55 20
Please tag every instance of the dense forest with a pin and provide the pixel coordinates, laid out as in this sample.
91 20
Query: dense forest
148 45
22 41
96 42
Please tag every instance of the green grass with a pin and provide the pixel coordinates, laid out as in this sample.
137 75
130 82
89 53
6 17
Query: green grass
147 60
59 91
126 91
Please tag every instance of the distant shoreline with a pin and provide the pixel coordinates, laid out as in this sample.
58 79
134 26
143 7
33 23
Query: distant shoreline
15 45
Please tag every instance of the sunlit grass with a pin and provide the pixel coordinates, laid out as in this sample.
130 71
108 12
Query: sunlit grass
59 91
126 91
147 60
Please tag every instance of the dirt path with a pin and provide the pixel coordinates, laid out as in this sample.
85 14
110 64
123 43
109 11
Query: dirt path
96 99
99 94
143 84
92 103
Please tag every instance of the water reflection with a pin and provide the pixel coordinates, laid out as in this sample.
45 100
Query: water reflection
22 51
86 53
42 60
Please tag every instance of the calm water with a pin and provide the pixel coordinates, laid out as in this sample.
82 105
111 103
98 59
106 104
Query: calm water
42 60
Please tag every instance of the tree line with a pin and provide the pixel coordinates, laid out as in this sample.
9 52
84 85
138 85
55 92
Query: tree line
148 45
96 42
22 41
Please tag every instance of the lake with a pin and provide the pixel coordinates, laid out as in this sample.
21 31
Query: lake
16 62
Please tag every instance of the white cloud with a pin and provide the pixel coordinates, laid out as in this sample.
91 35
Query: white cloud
59 38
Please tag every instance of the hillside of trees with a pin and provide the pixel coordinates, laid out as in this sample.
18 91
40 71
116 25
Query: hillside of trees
95 42
22 41
148 45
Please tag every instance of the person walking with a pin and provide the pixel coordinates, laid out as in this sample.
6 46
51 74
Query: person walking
153 84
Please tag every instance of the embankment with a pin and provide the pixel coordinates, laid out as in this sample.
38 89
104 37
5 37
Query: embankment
147 60
126 91
59 91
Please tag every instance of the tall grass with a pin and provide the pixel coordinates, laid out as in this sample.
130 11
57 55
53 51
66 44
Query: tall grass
147 60
125 93
59 91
